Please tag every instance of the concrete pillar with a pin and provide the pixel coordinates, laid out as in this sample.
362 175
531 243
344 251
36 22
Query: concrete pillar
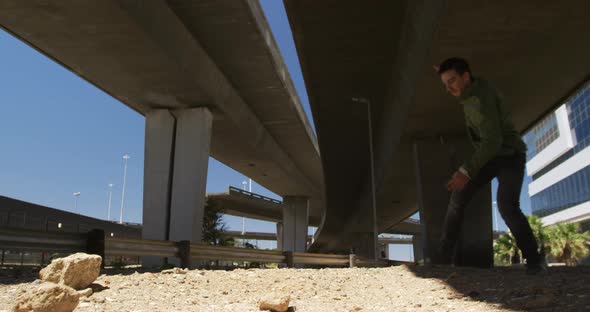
435 162
383 251
295 221
191 159
280 236
159 145
418 248
175 176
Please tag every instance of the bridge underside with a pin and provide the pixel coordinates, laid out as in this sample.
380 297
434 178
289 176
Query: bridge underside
383 51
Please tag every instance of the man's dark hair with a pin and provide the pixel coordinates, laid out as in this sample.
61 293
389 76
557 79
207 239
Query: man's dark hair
458 64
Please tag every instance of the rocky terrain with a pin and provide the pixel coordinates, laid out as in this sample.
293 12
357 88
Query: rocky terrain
398 288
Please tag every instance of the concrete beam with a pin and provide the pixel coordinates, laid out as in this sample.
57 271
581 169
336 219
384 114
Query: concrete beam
157 181
279 237
295 221
175 175
475 245
191 159
418 247
175 41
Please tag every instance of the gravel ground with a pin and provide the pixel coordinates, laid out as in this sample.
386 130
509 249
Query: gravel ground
398 288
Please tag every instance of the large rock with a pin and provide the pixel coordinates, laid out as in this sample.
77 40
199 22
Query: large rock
77 271
48 297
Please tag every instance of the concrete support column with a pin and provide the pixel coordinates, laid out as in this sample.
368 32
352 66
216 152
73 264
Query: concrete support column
175 175
418 247
435 162
157 180
280 236
295 221
191 160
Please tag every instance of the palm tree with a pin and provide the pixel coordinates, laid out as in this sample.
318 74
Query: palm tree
540 233
567 244
505 249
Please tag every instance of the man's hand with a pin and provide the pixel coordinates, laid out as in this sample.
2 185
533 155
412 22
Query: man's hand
457 182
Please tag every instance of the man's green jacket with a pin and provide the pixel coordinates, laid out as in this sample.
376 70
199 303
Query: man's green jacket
489 126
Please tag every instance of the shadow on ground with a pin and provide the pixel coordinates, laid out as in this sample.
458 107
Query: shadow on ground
557 289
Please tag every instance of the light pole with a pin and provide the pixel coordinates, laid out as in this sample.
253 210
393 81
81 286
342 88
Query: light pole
76 195
495 210
126 158
372 167
110 197
244 183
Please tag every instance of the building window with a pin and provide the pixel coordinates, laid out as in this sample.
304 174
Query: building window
578 107
541 135
569 192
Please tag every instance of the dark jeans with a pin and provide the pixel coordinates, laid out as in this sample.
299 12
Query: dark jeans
510 172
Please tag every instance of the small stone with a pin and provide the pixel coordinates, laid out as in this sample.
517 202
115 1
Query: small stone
85 292
275 304
175 271
48 297
98 299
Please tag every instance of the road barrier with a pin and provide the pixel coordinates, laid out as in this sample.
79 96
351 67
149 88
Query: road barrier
95 242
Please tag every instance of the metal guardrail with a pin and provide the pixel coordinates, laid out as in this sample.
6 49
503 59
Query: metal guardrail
257 196
139 247
208 252
42 241
95 242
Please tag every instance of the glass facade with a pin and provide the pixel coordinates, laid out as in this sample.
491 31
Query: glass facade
542 134
569 192
575 188
578 108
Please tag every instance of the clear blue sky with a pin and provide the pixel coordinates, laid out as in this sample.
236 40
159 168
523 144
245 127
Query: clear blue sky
61 135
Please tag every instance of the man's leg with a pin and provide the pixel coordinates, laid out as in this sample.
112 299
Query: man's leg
510 176
455 211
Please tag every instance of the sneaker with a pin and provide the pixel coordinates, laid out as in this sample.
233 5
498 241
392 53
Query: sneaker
536 268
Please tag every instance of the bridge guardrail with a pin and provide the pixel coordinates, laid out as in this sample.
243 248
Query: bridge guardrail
41 241
95 242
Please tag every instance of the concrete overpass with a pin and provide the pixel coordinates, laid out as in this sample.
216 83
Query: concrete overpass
381 52
209 79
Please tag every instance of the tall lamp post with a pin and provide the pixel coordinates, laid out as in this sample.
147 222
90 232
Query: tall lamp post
495 210
244 184
76 195
110 198
126 158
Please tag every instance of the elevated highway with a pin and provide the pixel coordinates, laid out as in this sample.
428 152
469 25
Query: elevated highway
381 53
210 80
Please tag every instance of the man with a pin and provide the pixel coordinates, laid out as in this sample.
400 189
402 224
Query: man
499 153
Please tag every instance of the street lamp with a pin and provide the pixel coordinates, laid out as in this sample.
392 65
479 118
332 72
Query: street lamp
126 158
76 195
495 204
244 183
110 197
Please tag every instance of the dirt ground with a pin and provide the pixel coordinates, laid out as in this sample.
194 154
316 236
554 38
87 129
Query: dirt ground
397 288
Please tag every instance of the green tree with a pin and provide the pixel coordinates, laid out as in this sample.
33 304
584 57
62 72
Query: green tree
505 249
566 243
540 233
213 225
